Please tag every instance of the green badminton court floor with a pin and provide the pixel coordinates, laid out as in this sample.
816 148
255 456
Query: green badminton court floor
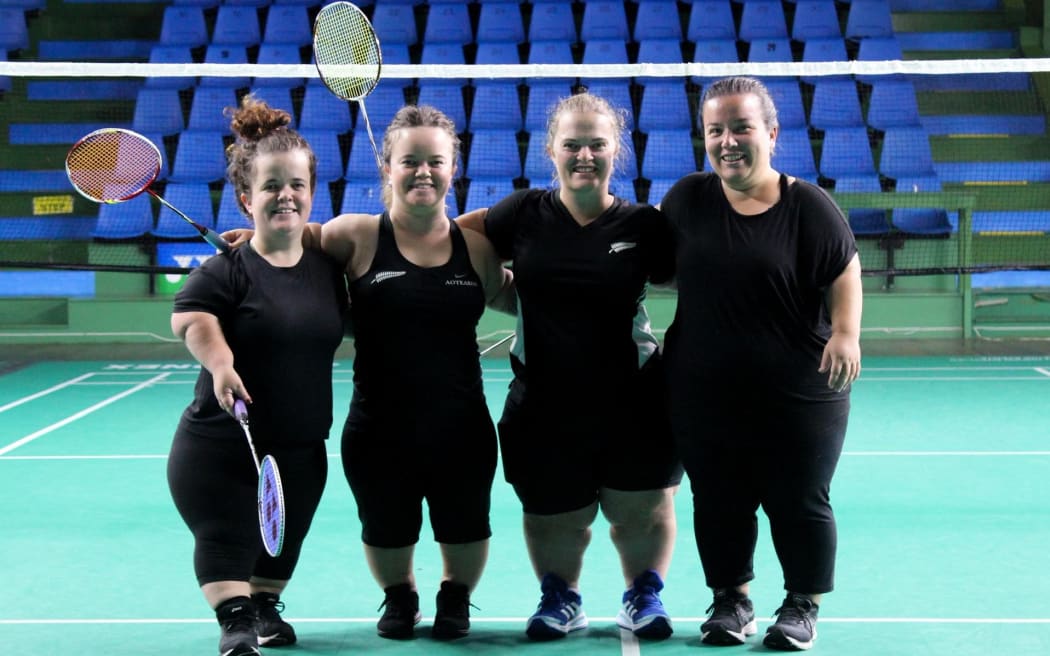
942 496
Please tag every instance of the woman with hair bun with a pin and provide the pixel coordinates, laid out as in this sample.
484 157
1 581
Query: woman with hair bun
264 322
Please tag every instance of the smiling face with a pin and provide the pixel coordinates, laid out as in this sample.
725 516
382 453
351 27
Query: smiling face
420 168
738 141
280 199
583 147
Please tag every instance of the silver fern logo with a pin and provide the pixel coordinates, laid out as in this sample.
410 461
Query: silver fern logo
620 246
384 275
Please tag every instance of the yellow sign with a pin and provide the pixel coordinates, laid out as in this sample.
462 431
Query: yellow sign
52 205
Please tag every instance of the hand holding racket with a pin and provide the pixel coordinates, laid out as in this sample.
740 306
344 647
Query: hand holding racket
271 492
347 57
113 165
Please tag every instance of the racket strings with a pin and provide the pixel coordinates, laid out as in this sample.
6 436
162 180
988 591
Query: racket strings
347 51
112 165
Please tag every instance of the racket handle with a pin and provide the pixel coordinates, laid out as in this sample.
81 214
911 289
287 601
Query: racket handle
240 410
215 239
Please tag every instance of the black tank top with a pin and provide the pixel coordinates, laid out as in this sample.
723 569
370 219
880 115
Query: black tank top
415 328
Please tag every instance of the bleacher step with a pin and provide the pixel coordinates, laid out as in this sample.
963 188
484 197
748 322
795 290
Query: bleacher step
983 102
1003 149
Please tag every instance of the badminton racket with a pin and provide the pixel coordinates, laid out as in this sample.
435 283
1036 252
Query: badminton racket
270 493
493 346
347 57
113 165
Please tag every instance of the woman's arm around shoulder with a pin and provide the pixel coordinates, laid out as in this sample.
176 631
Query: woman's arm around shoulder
346 237
496 280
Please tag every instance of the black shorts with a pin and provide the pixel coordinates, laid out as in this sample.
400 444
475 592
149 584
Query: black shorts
559 456
393 463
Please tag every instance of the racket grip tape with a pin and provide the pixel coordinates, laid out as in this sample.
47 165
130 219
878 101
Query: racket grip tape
240 410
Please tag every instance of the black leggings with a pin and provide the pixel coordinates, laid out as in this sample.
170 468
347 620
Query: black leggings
214 485
782 460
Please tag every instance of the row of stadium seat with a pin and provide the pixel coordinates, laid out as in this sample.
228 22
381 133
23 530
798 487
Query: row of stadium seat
502 22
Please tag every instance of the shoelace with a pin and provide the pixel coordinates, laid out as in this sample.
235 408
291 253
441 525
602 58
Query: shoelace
644 599
795 613
554 600
724 605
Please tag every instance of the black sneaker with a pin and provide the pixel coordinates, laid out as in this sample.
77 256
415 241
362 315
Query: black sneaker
452 617
273 630
796 625
402 612
238 619
732 619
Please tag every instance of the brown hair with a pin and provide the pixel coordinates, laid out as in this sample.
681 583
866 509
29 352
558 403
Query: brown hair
735 86
260 129
415 116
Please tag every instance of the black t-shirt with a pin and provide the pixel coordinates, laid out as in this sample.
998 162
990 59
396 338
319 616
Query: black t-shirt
283 325
582 323
751 316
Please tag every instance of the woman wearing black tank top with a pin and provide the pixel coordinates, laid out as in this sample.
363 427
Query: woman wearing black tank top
761 353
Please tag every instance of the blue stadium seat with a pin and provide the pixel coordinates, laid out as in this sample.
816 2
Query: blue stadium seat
846 151
226 54
922 220
323 206
878 48
553 22
446 96
823 49
236 26
868 18
664 105
658 188
769 50
361 163
668 154
199 157
836 103
762 19
448 23
395 23
208 105
892 103
322 109
496 105
494 154
864 222
162 54
279 53
550 52
794 154
497 52
442 52
711 20
183 26
815 19
128 220
486 192
500 22
657 19
716 51
158 110
604 19
194 200
381 105
605 51
659 51
542 96
906 152
787 96
5 81
325 144
362 197
538 167
229 217
288 24
396 53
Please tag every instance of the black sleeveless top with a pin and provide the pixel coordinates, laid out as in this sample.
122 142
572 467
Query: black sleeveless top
415 329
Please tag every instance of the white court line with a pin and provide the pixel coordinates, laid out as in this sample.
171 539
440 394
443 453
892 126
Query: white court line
521 620
31 397
950 379
1043 370
629 643
86 411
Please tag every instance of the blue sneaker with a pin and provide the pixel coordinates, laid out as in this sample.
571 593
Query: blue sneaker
560 611
642 613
